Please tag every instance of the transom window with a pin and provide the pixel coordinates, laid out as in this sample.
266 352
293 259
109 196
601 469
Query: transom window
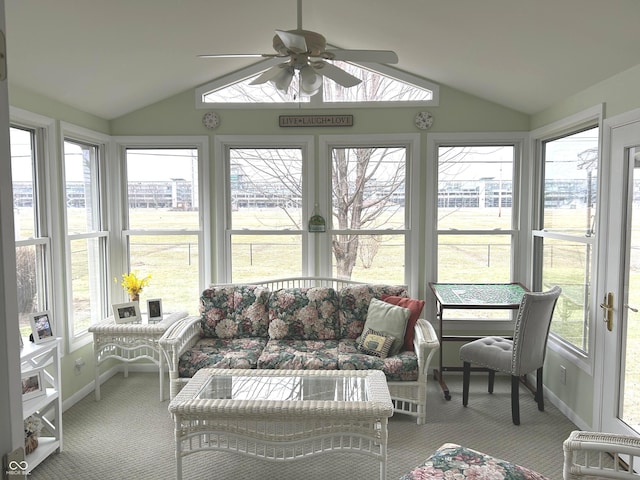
382 85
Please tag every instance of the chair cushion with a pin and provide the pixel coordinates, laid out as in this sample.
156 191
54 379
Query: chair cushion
303 314
495 353
300 354
400 367
234 311
220 353
460 463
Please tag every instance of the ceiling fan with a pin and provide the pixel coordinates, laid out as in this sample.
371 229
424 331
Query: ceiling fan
306 52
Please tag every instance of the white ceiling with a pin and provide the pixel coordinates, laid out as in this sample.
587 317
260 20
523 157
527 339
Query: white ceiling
111 57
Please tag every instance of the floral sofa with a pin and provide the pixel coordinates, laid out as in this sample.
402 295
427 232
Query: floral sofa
301 323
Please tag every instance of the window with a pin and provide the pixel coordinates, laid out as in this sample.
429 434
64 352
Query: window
162 227
265 205
362 195
86 247
475 216
32 240
382 84
565 235
369 212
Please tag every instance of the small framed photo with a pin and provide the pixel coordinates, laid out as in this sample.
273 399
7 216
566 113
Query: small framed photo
154 309
32 384
42 327
126 312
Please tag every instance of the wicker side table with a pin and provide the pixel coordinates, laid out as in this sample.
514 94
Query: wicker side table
128 342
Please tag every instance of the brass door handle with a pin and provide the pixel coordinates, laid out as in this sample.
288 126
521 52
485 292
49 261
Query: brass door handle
633 309
607 306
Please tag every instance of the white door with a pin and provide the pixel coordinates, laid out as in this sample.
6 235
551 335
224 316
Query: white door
620 405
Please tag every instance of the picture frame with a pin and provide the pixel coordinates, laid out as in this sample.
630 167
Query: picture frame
126 312
42 327
154 309
32 384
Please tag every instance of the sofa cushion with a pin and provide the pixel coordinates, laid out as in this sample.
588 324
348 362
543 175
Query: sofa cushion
303 314
238 311
221 353
354 304
400 367
300 354
387 318
416 307
453 461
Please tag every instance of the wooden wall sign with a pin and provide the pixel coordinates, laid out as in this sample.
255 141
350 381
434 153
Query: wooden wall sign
316 120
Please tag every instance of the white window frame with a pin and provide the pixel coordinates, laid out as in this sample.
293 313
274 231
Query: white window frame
413 212
223 232
590 117
519 263
103 144
44 128
120 258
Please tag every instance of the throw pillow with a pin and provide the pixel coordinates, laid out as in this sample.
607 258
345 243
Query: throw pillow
387 318
375 343
416 307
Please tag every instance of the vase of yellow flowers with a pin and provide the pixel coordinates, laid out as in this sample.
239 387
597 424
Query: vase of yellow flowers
133 284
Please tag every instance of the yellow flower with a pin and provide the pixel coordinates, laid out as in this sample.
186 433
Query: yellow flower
133 284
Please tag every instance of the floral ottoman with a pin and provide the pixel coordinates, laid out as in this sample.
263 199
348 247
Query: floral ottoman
456 462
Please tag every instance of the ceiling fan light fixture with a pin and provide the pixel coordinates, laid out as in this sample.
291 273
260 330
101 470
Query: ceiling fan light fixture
283 79
310 81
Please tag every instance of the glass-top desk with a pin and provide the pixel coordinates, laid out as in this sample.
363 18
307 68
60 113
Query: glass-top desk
470 296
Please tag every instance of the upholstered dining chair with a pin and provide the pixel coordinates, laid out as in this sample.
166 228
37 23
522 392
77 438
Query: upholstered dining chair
520 356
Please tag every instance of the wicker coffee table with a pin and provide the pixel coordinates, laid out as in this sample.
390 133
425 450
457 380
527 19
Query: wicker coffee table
283 415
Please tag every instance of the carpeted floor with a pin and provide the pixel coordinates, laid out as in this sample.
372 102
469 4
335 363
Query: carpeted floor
129 435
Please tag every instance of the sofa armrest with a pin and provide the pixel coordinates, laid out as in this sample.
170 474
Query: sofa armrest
426 344
589 455
178 338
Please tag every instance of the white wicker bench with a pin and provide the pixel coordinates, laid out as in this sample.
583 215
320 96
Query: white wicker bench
409 397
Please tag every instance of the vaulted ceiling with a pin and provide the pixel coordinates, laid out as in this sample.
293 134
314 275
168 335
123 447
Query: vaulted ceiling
111 57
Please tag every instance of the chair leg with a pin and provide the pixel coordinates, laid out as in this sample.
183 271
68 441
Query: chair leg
492 379
515 399
466 378
539 390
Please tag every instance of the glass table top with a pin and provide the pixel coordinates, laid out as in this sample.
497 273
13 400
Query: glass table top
285 388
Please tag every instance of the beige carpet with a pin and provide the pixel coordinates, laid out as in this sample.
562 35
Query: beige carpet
129 435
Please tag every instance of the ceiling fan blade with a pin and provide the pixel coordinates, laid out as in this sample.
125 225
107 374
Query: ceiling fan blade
336 74
293 41
240 55
367 56
269 74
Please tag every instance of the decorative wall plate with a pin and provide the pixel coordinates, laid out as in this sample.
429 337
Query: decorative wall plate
211 120
423 120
